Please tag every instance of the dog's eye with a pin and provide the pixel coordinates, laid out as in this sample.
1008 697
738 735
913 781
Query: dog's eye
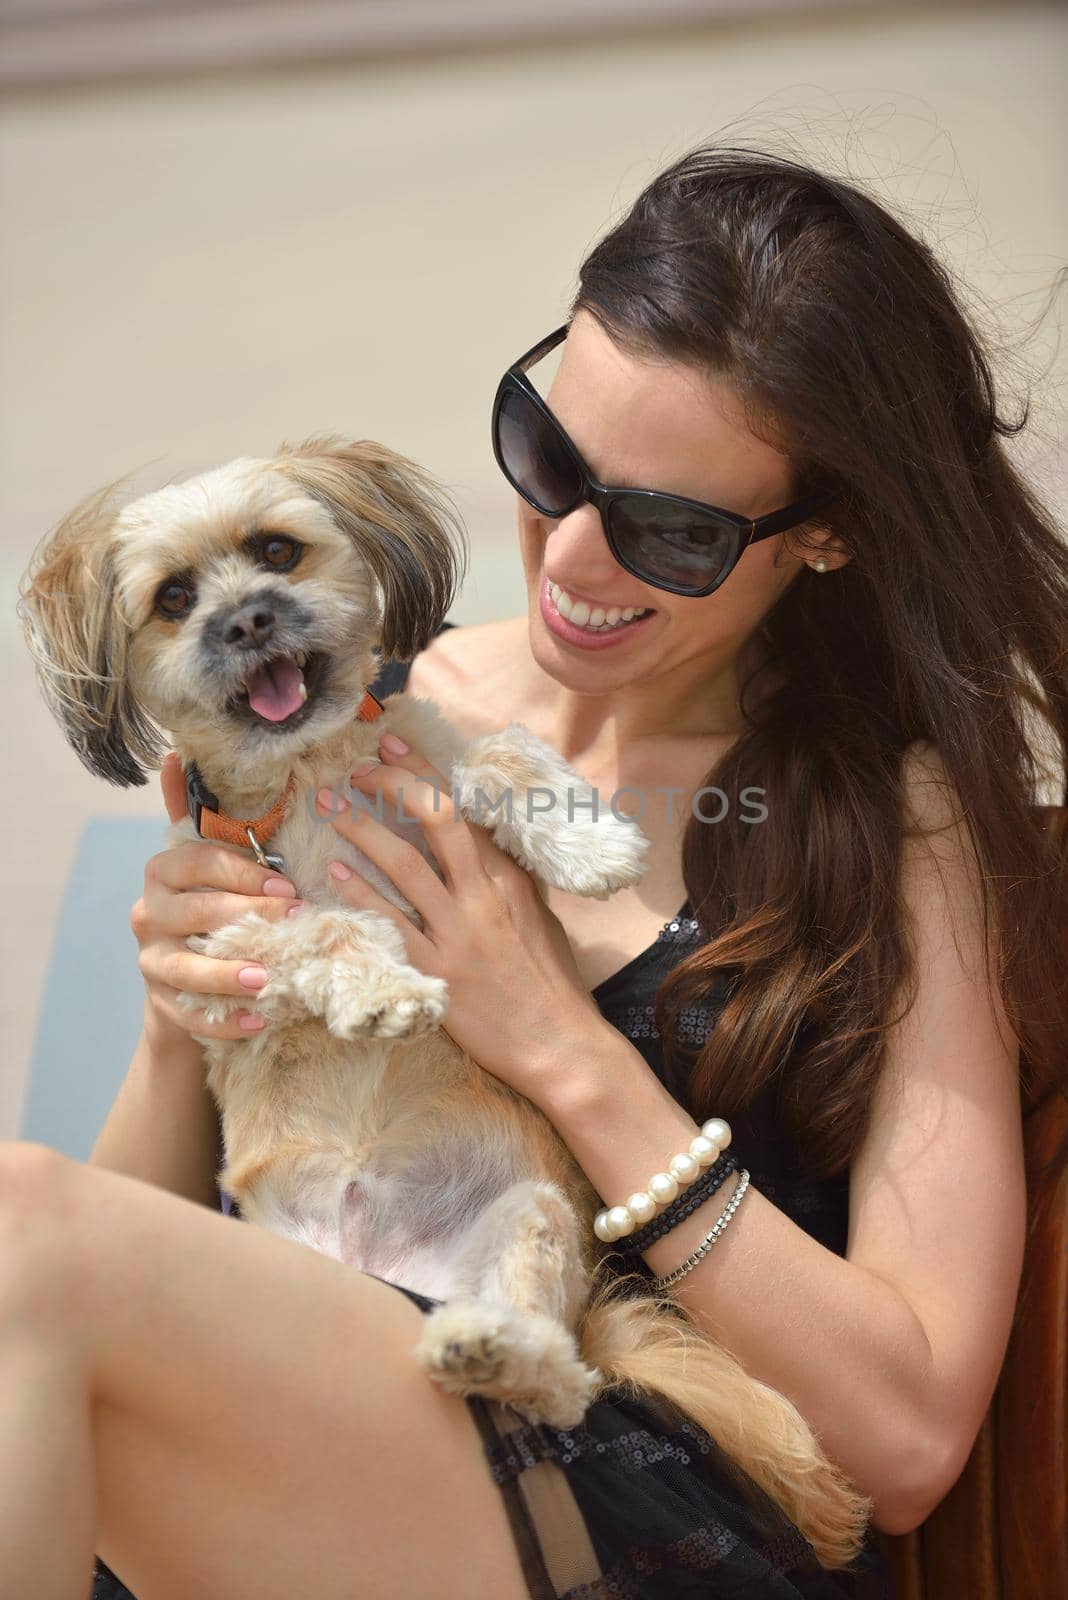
175 598
277 551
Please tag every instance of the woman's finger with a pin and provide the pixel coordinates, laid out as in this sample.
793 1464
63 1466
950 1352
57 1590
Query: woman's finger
469 836
171 965
201 911
172 782
401 862
166 1004
200 863
418 791
362 896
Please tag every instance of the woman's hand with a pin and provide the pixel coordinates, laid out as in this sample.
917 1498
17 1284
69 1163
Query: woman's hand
517 1002
197 887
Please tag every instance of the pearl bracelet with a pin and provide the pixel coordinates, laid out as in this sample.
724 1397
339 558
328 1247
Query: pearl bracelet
687 1203
710 1238
616 1222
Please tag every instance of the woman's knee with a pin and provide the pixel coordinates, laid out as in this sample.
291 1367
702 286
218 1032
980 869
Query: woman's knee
38 1202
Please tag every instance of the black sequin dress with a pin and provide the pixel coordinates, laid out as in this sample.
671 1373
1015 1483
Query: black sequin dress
638 1502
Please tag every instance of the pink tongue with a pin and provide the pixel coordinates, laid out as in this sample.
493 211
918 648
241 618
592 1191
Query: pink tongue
274 690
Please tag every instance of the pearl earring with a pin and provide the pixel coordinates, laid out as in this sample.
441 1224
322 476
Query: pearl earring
820 566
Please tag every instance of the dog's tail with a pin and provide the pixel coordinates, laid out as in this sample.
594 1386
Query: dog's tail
642 1343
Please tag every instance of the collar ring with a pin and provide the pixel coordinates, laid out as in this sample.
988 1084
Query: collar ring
275 862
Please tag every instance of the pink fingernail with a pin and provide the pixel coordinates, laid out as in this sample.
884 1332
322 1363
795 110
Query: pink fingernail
338 870
395 746
252 977
294 911
278 886
250 1021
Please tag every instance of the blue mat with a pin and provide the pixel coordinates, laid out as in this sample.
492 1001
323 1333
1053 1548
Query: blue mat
93 995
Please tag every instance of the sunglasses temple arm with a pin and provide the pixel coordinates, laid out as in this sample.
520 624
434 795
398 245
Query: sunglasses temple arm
550 342
780 521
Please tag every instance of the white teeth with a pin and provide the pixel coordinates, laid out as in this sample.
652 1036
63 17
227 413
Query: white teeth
303 691
596 619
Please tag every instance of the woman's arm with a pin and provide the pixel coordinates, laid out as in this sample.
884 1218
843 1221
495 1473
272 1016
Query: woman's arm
837 1339
163 1127
892 1353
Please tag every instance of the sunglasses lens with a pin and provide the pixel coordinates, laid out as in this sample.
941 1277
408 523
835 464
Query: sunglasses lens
534 457
670 545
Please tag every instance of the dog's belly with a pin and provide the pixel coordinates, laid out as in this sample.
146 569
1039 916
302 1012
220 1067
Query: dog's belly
381 1154
405 1255
405 1221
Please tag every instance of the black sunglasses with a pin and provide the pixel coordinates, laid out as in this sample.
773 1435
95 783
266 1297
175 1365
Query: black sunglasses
683 546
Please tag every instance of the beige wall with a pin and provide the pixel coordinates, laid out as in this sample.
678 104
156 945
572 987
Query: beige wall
200 269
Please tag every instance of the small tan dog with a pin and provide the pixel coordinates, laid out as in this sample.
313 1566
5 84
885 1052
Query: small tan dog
240 611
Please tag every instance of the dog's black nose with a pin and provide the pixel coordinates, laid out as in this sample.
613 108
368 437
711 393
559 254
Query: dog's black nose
250 626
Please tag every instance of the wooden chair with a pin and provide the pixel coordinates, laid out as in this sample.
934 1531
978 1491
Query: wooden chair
1002 1531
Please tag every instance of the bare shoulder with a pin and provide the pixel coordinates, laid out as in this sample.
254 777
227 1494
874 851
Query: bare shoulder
939 856
466 671
931 800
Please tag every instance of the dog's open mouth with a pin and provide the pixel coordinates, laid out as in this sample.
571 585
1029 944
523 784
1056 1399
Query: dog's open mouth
282 689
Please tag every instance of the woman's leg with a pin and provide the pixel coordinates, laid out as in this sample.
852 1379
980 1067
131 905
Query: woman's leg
219 1413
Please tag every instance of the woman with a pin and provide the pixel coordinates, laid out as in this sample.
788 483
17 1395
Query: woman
752 335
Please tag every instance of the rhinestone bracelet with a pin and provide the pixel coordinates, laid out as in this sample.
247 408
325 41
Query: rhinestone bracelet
616 1222
686 1204
709 1240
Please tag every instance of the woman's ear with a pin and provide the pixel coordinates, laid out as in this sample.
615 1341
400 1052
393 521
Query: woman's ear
406 530
73 625
814 542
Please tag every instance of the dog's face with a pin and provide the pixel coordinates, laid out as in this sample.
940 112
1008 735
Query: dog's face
237 609
250 611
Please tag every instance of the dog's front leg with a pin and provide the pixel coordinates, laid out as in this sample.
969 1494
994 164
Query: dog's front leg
543 813
349 967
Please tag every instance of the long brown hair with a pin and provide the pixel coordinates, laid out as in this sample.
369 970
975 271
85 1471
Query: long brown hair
842 334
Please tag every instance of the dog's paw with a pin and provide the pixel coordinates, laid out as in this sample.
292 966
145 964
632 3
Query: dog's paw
565 1402
575 842
472 1359
401 1003
244 939
590 858
531 1362
612 856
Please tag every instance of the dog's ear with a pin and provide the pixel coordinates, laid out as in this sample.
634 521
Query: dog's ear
68 606
401 522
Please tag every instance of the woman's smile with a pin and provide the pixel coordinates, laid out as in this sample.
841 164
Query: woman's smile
575 621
